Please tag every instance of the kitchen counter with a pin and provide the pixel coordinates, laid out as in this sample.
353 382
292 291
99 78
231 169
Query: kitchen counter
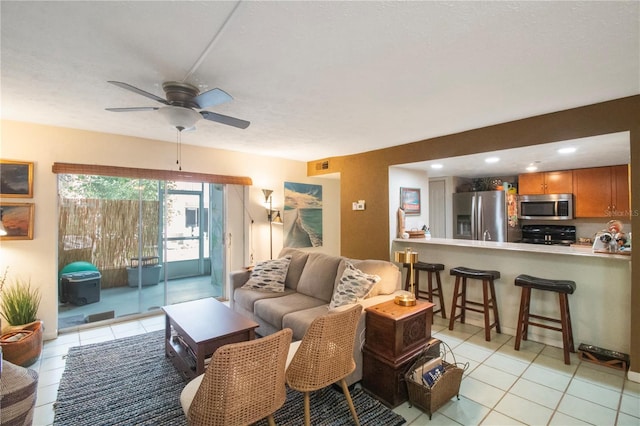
600 306
532 248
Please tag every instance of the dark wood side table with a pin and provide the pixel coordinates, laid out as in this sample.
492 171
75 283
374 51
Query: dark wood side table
194 330
395 335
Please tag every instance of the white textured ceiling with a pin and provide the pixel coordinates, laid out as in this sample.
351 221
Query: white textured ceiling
316 79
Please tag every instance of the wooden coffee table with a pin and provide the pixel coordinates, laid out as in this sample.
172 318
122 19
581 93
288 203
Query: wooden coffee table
194 330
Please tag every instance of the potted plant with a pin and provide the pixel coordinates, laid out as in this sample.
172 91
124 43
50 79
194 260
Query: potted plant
21 340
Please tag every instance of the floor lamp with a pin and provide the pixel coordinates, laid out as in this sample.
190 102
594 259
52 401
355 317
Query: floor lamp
273 216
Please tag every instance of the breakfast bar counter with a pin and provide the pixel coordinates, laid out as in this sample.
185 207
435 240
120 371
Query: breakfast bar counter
530 248
600 306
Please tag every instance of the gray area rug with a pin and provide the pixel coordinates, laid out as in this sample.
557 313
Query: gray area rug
130 382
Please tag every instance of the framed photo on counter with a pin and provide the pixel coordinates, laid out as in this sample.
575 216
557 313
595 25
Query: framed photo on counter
410 200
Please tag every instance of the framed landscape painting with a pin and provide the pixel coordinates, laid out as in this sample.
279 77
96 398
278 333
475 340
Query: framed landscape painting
302 215
410 200
16 179
17 219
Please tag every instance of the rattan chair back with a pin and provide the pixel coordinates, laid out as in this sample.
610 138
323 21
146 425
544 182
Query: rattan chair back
244 382
325 355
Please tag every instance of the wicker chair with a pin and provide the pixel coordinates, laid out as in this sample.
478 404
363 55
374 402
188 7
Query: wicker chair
244 382
325 356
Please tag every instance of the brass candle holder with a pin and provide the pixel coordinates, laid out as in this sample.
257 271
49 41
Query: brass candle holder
410 257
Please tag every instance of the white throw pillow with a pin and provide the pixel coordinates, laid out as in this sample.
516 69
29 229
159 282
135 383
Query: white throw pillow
354 286
269 275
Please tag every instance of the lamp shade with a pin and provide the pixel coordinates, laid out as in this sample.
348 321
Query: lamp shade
277 219
267 193
406 256
180 117
3 231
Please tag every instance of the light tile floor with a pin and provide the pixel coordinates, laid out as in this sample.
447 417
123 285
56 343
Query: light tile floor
533 386
501 386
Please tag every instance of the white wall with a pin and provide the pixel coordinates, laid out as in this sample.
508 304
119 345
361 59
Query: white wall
37 259
407 178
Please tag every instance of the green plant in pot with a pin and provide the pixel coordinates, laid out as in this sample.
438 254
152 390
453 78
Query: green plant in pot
21 340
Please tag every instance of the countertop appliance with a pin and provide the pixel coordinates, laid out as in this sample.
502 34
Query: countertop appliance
545 206
549 234
485 216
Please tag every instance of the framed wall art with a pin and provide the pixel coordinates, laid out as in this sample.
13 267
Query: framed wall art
16 179
302 215
17 219
410 200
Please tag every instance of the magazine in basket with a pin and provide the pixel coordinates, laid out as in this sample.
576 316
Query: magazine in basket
442 381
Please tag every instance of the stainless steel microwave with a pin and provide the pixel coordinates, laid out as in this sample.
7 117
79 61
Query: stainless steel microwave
546 206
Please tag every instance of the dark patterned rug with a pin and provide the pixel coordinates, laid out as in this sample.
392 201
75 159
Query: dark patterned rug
130 382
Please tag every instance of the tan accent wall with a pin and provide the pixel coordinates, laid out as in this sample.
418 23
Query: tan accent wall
365 176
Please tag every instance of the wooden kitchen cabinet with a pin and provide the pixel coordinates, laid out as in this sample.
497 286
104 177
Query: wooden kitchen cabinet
601 191
620 197
559 182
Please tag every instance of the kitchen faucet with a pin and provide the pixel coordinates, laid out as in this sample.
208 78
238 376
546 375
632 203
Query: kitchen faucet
486 235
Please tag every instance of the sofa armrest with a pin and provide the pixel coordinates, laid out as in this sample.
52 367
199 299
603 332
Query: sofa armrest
381 298
237 279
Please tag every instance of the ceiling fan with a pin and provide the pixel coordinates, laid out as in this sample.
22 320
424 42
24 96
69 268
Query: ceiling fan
182 100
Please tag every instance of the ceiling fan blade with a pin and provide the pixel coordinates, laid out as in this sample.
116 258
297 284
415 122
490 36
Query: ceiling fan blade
139 91
219 118
133 109
211 98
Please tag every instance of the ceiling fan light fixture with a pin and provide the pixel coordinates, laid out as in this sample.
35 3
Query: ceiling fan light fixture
180 117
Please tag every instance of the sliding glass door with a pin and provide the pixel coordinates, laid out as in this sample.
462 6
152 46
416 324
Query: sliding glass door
152 242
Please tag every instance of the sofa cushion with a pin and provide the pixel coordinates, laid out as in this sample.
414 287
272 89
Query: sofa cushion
353 286
298 260
269 275
299 321
319 276
390 276
246 298
273 310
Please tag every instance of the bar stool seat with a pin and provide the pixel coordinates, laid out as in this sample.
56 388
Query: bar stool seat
489 302
430 293
563 288
559 286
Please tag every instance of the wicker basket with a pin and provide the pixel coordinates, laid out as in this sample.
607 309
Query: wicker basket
416 234
25 351
429 399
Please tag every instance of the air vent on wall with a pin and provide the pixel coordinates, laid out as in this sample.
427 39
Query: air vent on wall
324 165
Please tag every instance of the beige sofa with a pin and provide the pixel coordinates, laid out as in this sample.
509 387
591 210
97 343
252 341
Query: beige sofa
309 285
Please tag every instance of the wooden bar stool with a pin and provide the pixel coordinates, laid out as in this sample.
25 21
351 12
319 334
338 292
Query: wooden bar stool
430 268
563 288
488 303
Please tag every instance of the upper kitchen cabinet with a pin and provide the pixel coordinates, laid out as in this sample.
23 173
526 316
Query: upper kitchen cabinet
601 191
560 182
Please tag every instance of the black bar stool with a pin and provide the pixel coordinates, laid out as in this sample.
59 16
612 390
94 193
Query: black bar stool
488 303
430 268
563 288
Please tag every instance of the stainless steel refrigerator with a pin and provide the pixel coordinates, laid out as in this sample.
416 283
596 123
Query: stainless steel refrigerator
486 215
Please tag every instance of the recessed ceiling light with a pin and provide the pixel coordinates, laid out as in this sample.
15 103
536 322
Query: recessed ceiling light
492 160
436 166
532 168
568 150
